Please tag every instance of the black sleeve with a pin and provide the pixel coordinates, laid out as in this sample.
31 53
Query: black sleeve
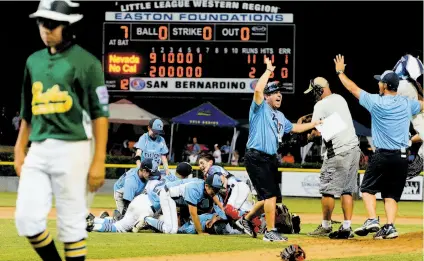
126 204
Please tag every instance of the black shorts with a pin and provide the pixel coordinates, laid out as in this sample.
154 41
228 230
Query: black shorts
263 172
386 173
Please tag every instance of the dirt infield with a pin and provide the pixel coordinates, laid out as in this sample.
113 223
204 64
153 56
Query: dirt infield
315 248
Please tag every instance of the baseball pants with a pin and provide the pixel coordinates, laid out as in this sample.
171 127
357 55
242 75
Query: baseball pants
169 211
138 209
59 168
239 197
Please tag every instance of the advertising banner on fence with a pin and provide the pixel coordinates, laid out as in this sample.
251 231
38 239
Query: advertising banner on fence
300 184
306 184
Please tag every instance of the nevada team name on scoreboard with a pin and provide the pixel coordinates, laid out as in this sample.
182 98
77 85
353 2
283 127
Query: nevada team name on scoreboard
196 52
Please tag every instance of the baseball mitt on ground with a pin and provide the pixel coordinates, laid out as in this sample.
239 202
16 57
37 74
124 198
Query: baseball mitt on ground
293 253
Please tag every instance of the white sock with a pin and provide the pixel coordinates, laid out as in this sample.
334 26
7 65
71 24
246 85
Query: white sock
98 220
326 223
346 224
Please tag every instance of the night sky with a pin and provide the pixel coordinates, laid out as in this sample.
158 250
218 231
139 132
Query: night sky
371 35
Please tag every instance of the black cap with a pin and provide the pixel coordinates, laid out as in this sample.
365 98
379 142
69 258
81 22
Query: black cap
147 164
184 169
390 78
272 87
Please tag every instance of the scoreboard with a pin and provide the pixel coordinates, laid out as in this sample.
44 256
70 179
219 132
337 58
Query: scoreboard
195 56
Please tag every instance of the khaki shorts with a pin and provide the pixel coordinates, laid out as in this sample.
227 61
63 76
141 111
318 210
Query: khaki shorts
339 174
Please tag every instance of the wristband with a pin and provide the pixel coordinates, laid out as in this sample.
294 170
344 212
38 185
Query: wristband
137 158
339 72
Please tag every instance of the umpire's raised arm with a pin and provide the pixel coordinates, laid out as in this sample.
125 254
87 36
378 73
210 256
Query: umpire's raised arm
258 96
347 83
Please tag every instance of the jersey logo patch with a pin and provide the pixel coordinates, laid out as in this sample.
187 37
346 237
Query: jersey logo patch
51 101
102 94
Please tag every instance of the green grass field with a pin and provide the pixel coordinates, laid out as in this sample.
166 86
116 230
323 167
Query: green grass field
108 245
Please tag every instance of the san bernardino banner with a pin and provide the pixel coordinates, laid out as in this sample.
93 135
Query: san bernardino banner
138 84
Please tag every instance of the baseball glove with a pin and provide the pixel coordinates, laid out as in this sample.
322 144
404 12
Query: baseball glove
415 167
293 253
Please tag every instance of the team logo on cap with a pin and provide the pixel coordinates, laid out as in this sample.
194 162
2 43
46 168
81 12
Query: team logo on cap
137 84
253 84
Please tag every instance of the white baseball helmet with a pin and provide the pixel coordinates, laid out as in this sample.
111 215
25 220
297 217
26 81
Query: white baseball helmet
58 10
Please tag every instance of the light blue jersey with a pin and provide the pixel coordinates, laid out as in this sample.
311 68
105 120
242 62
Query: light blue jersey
231 180
187 191
266 128
153 149
167 179
390 119
188 227
129 184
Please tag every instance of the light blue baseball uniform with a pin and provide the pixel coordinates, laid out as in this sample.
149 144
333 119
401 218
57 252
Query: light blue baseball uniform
231 180
188 227
153 149
187 191
266 128
129 184
390 119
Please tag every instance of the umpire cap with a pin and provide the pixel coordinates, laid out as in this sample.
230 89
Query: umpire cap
390 78
58 10
184 169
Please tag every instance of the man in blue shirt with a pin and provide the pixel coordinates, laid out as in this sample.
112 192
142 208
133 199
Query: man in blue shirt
391 115
152 145
132 183
266 130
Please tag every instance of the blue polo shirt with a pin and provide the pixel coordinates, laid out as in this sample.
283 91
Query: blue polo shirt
266 125
390 119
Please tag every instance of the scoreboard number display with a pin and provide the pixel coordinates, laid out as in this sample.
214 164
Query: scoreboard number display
214 55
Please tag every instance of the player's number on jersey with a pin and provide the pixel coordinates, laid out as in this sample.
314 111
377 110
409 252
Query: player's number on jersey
125 28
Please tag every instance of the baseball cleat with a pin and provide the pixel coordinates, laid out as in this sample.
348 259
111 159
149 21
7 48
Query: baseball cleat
89 222
320 231
369 226
140 225
388 231
246 226
274 236
341 233
104 214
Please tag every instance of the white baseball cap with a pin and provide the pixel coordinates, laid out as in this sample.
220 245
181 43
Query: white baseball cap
57 10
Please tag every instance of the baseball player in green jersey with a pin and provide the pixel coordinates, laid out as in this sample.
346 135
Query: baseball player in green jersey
64 108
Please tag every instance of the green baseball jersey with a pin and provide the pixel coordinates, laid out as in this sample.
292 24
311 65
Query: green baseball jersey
62 94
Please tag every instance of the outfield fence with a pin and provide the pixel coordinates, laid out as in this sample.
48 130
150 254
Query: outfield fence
295 182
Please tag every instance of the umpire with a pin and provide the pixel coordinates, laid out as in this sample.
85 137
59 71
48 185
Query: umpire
267 127
391 115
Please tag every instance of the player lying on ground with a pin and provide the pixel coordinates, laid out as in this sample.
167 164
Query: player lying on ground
187 192
142 206
132 184
211 224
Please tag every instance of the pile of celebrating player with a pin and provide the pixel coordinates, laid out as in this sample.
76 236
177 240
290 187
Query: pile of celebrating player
149 199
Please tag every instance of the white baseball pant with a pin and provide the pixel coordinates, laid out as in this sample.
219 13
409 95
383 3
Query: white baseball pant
169 212
59 168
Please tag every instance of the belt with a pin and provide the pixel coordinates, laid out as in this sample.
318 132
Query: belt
261 153
393 151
